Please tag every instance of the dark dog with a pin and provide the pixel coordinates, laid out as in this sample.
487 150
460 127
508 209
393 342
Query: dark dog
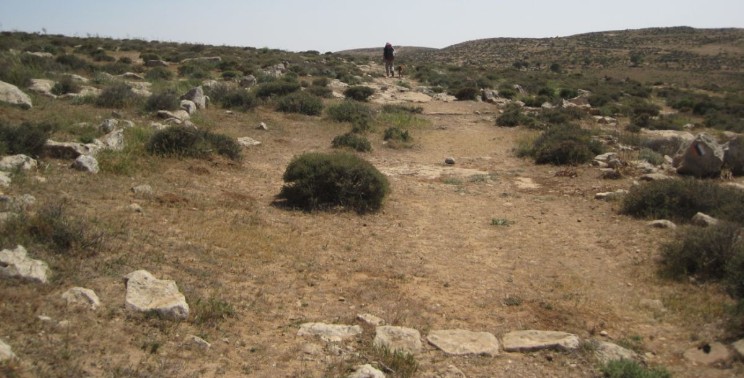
400 69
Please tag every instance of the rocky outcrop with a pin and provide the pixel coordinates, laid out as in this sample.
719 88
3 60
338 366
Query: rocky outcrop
82 297
703 157
462 342
708 354
704 220
10 94
366 371
607 352
197 96
68 150
533 340
86 163
15 263
17 162
407 340
145 293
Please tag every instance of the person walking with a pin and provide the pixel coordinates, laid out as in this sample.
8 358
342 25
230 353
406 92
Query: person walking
388 56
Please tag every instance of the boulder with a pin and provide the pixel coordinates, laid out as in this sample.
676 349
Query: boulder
180 115
81 297
68 150
86 163
189 106
708 354
489 95
43 86
329 332
17 162
607 352
733 155
704 220
113 140
10 94
462 342
15 263
703 157
407 340
371 319
197 96
533 340
145 293
248 81
6 352
366 371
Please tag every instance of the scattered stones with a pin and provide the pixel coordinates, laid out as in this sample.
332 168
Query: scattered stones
462 342
708 354
10 94
329 332
146 293
248 142
704 220
371 319
6 352
703 157
449 161
607 352
86 163
366 371
80 296
17 162
402 339
610 196
533 340
662 223
197 96
15 263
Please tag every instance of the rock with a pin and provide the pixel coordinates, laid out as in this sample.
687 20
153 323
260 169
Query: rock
449 161
652 304
189 106
366 371
462 342
489 95
610 196
146 293
42 86
248 142
40 54
136 208
248 81
655 177
733 155
371 319
15 263
533 340
180 115
113 140
6 352
78 78
198 342
610 174
132 76
197 96
407 340
215 59
606 157
142 191
79 296
86 163
17 162
10 94
329 332
739 347
156 63
607 352
644 166
662 223
703 157
262 126
704 220
708 354
108 125
5 179
68 150
17 204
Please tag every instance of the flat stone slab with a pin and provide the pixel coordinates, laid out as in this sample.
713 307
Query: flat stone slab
146 293
533 340
607 352
461 342
80 296
708 354
329 332
407 340
15 263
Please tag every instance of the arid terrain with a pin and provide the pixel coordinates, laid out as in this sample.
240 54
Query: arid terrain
492 243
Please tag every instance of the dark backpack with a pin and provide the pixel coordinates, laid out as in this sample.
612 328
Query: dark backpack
388 52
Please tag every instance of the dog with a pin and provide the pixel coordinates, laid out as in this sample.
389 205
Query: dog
400 69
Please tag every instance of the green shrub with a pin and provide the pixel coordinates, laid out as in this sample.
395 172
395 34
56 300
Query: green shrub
358 93
651 156
165 100
300 102
27 139
73 62
512 117
350 111
238 98
277 88
567 93
565 144
320 82
125 60
320 91
664 146
632 369
186 142
352 140
704 252
396 133
211 311
118 95
467 94
323 181
159 73
679 200
66 85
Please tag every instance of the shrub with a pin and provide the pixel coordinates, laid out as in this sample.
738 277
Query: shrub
704 252
632 369
564 144
118 95
165 100
358 93
300 102
323 181
352 140
277 88
73 62
511 117
567 93
27 139
185 142
159 73
397 137
467 93
320 91
320 82
212 311
66 85
651 156
350 111
239 98
681 199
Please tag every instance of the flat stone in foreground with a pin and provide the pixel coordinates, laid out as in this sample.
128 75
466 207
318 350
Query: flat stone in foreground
533 340
329 332
146 293
15 263
708 354
462 342
407 340
366 371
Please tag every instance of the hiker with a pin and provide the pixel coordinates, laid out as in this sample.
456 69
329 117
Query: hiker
388 55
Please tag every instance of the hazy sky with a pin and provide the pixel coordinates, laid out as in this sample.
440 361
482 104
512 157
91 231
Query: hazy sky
333 25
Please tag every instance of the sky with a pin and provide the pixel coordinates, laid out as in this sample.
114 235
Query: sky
335 25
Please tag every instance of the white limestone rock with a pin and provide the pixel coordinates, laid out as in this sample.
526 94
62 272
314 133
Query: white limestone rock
15 263
146 293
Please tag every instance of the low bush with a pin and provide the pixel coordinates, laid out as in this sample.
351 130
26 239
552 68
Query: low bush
467 94
276 88
320 91
159 73
512 117
118 95
350 111
317 181
358 93
300 102
679 200
73 62
66 85
27 138
352 140
238 98
564 145
165 100
397 137
186 142
631 369
651 156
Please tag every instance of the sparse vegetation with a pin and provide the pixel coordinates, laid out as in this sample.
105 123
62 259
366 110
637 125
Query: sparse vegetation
165 100
632 369
358 93
352 140
186 142
564 145
118 95
300 102
26 138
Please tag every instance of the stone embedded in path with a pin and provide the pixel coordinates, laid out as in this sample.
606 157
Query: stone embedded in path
662 223
80 296
708 354
329 332
607 352
15 263
461 342
146 293
366 371
6 352
533 340
402 339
